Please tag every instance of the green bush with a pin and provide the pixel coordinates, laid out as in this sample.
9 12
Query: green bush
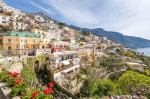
115 76
99 88
132 79
103 88
28 71
86 89
4 76
18 89
11 82
40 95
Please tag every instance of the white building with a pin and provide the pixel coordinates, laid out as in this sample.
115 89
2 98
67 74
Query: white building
16 17
54 34
19 25
9 8
39 18
64 63
4 19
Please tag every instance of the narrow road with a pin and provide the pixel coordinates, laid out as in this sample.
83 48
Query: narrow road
106 76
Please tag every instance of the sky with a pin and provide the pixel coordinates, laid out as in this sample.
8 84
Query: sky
129 17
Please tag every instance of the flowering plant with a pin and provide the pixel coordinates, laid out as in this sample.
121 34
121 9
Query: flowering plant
4 76
19 89
15 74
9 73
50 84
34 94
48 90
18 81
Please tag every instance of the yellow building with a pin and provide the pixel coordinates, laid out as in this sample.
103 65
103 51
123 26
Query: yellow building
19 45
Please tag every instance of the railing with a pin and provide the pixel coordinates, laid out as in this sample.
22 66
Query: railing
16 52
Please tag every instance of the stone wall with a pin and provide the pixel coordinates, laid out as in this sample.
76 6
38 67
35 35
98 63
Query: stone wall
51 77
125 97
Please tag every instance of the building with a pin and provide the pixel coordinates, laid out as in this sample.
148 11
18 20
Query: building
17 17
64 64
38 21
19 26
4 19
23 34
54 34
9 8
39 18
39 31
58 46
22 43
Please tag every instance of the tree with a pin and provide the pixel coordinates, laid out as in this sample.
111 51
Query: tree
86 89
78 77
103 88
129 54
130 80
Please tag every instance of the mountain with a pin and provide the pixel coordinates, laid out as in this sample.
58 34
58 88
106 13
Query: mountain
128 41
42 15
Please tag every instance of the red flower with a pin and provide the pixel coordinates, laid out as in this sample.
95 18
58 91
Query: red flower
15 74
2 69
51 84
48 90
22 77
18 81
9 73
34 94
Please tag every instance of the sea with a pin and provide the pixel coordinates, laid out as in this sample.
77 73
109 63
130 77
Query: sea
146 51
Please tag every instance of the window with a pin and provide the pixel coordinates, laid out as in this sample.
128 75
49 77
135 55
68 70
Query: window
27 47
17 24
9 40
17 28
26 41
33 47
3 18
34 41
9 48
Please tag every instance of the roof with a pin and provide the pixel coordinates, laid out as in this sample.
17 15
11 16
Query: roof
64 53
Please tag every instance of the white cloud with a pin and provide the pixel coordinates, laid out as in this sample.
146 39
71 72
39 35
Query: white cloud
130 17
47 10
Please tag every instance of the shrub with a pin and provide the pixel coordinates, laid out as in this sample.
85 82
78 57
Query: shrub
40 94
18 89
4 76
130 80
86 89
28 71
103 88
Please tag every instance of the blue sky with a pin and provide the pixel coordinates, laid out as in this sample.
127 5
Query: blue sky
130 17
